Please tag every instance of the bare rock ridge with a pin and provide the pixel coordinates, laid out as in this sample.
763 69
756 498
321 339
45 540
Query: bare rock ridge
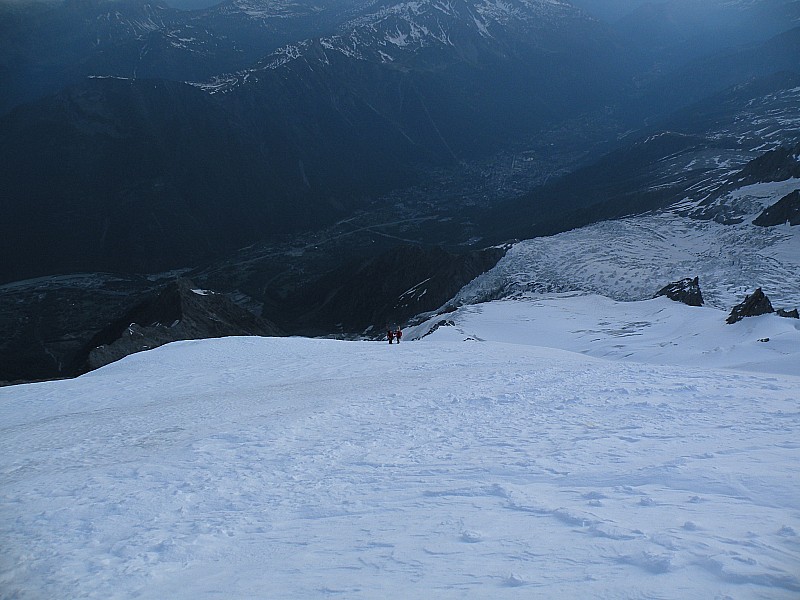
779 164
686 291
753 305
756 304
181 311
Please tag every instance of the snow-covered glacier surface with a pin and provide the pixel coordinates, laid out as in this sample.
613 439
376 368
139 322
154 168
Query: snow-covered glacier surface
633 258
482 461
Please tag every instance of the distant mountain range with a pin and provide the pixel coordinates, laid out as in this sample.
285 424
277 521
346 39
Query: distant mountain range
689 155
48 46
119 172
162 174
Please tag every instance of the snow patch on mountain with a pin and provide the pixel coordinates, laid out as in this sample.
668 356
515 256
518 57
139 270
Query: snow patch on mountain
136 23
268 9
398 30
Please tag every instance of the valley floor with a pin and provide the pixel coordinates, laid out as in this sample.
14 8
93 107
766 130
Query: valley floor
448 467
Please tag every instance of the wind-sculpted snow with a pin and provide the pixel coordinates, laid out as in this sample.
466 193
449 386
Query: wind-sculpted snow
632 258
291 468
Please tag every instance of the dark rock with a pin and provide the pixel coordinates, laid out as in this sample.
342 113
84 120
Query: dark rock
776 165
791 314
753 305
785 210
686 291
45 323
392 287
180 311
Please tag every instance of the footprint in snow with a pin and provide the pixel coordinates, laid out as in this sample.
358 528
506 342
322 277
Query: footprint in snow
594 495
515 580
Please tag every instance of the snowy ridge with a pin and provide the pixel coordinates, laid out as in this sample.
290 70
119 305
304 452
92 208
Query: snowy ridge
149 18
397 31
274 9
471 468
632 258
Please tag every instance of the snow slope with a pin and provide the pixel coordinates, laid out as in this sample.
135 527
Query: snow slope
296 468
657 331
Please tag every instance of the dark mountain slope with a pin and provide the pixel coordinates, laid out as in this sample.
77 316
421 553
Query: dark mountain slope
47 46
45 322
785 210
180 311
623 182
701 78
734 129
59 327
443 82
776 165
369 294
677 30
132 176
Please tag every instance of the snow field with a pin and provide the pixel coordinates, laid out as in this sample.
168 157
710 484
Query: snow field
289 468
655 331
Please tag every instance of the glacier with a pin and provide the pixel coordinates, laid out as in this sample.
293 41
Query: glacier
631 258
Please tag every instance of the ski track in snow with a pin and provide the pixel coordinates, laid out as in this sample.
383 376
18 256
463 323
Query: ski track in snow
278 468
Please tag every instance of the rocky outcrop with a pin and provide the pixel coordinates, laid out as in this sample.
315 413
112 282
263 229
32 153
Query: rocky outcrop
776 165
785 210
753 305
181 311
791 314
686 291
